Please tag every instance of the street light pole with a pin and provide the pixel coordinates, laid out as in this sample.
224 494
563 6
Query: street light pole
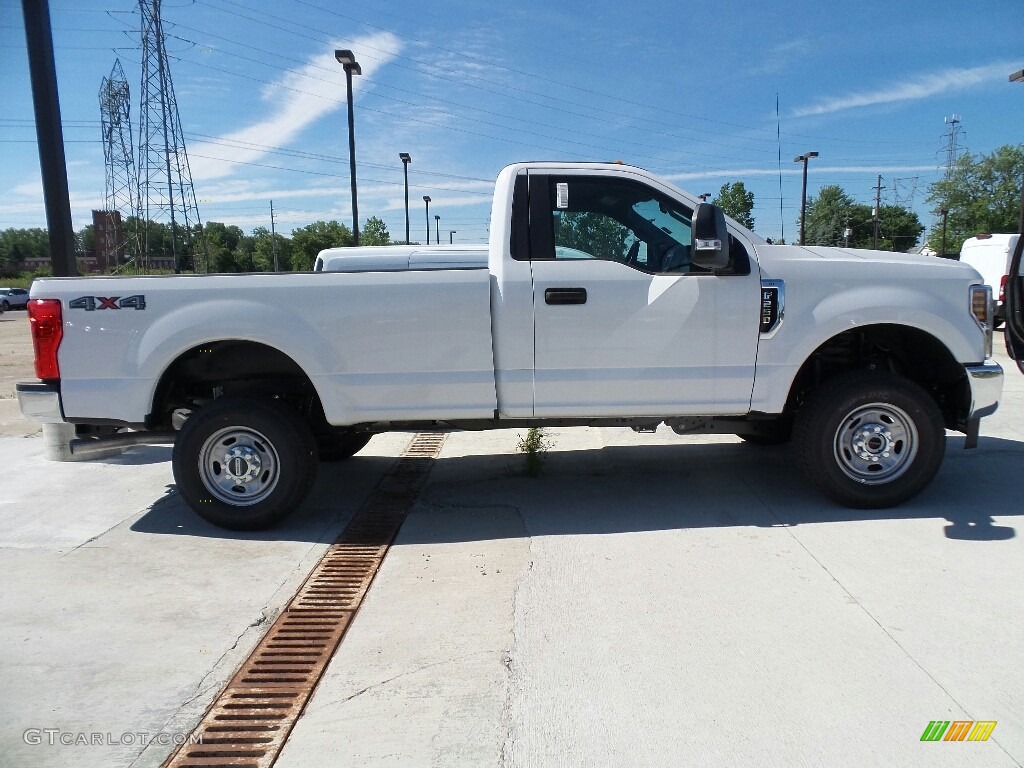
406 158
426 199
803 202
451 237
437 229
348 61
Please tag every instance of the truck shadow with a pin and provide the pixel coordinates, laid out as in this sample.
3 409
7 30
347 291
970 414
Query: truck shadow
630 488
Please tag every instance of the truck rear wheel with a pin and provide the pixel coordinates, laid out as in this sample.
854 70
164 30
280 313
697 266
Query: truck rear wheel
244 464
869 440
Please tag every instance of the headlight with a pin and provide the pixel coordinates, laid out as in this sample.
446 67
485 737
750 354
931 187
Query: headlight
981 308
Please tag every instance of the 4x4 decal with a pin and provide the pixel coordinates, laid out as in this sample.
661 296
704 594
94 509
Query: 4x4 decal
92 303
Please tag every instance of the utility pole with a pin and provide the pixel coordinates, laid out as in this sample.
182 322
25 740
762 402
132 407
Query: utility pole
50 137
273 237
877 211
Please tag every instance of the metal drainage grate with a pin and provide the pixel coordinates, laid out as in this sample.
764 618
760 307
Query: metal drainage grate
248 724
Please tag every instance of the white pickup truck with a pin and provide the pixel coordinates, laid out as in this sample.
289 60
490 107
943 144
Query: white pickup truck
605 297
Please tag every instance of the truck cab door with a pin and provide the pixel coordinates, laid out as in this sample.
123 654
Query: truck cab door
625 323
1014 307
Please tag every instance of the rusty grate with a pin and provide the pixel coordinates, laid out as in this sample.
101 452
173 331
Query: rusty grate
248 723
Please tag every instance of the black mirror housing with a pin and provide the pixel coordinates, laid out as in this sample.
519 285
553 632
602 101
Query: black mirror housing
710 237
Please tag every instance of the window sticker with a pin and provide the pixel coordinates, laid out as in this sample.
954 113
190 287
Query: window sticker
562 195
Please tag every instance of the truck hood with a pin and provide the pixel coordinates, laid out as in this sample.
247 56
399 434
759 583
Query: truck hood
854 260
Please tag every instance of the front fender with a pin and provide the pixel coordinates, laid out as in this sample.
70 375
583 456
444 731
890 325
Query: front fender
810 322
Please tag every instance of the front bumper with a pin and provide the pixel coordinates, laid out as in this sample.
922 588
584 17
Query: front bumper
40 402
986 382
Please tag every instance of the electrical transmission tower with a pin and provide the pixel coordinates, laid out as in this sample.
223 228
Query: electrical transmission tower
904 191
952 137
121 198
166 194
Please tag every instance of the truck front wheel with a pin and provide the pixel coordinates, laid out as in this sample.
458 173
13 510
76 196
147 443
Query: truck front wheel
244 464
869 440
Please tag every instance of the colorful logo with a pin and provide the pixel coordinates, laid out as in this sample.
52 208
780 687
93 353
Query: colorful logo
958 730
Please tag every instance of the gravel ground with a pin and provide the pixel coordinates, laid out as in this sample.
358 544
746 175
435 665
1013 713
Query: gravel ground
15 365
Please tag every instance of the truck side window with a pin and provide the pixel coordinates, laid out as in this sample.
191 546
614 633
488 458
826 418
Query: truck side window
620 220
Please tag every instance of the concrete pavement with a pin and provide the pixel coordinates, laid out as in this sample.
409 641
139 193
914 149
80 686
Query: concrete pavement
649 600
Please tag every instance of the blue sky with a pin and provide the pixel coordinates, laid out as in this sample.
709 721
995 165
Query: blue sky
687 90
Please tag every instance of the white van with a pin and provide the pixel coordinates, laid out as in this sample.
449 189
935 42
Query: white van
990 255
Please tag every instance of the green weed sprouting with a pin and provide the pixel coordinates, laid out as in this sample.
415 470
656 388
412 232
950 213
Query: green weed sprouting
534 447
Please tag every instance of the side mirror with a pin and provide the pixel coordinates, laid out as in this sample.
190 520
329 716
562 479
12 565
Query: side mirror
710 237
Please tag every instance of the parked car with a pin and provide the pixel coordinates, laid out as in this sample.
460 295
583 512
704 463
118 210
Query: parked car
13 298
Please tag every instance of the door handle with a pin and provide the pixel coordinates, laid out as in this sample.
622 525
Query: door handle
565 296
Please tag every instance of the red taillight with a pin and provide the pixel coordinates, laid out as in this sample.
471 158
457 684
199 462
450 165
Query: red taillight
47 331
1002 288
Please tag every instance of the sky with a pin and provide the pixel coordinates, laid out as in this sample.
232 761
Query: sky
702 94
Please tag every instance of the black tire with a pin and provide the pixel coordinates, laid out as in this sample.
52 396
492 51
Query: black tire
274 456
869 440
341 447
5 306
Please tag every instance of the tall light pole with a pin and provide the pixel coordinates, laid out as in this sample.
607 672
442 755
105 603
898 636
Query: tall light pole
348 61
406 158
451 237
803 199
437 229
426 200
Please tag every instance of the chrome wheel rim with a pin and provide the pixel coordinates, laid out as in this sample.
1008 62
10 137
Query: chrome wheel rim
239 466
876 443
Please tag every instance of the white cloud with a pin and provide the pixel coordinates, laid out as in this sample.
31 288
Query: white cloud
298 99
911 90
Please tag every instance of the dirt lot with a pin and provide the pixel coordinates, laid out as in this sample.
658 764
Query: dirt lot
15 366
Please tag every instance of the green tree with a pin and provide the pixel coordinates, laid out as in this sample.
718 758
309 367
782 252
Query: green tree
222 247
899 229
86 239
982 194
737 201
828 215
375 232
832 211
308 241
16 245
592 233
263 250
